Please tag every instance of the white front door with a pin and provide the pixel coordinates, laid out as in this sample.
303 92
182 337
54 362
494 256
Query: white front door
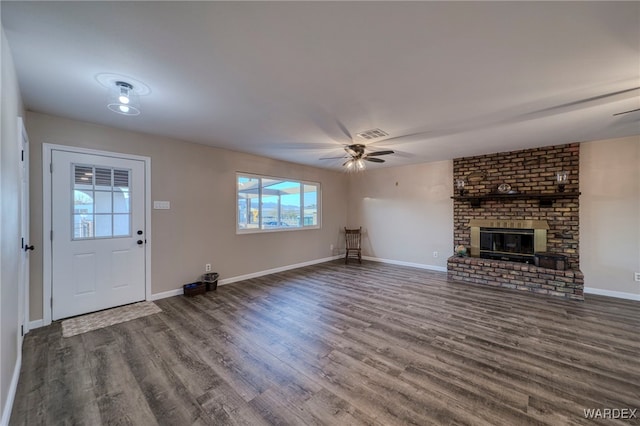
99 232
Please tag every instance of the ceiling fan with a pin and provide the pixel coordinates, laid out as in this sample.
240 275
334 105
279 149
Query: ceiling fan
356 156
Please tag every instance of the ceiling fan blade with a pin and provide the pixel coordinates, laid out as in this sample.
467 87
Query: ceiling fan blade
344 130
387 152
332 158
626 112
373 160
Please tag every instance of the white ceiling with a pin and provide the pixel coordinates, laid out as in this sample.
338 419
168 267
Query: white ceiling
297 80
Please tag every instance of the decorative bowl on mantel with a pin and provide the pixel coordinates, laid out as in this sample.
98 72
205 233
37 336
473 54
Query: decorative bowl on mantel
505 188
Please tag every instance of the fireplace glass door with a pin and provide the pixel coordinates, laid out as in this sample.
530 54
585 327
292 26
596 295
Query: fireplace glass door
507 244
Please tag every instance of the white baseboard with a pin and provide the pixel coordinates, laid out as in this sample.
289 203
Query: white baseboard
11 392
410 264
610 293
274 270
225 281
165 294
35 324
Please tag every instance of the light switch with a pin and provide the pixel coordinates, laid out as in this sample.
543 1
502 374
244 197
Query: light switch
161 205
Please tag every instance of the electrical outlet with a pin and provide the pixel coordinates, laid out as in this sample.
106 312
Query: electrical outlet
331 247
435 254
637 276
207 267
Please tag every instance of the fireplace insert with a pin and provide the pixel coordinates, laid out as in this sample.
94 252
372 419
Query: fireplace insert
505 239
515 245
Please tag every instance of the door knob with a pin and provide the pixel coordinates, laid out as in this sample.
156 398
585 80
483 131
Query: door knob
139 232
28 247
139 242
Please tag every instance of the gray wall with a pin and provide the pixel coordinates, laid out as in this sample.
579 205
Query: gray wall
407 222
10 215
199 181
610 215
406 212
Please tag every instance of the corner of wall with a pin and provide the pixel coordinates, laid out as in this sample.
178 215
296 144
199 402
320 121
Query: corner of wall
10 109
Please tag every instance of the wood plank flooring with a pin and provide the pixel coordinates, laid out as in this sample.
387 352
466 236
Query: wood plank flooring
342 344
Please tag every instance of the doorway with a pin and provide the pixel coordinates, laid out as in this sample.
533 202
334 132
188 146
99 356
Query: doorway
98 230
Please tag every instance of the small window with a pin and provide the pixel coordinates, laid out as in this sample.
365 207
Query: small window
101 202
267 203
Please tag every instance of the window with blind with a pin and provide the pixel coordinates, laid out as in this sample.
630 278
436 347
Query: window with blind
101 202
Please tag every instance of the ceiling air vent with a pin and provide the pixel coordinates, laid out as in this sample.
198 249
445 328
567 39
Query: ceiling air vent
372 134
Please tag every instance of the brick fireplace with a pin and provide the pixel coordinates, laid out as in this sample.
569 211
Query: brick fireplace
517 189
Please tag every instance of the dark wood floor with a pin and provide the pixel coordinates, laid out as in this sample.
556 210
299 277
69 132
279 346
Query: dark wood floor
336 344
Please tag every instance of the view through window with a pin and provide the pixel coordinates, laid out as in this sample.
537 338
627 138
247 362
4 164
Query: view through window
267 203
101 202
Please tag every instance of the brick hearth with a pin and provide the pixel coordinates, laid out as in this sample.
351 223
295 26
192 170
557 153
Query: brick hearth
515 275
528 172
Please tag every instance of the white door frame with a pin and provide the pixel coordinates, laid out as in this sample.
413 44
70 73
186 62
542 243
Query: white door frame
23 292
47 276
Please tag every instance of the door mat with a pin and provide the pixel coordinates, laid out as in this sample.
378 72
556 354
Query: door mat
96 320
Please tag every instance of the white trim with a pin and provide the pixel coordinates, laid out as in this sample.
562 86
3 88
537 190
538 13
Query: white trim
410 264
11 392
610 293
23 275
275 270
36 324
47 149
147 224
46 230
165 294
178 291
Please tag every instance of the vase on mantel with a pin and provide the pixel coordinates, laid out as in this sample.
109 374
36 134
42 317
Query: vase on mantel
460 250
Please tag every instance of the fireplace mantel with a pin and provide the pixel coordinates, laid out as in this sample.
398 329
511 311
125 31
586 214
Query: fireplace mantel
545 199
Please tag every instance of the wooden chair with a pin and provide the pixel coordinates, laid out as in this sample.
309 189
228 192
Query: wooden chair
353 240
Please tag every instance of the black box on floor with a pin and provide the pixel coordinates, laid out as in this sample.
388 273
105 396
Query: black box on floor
551 261
194 289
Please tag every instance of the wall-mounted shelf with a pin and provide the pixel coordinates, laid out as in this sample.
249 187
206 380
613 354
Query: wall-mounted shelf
545 199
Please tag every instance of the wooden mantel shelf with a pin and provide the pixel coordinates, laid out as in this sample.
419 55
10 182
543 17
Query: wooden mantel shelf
545 199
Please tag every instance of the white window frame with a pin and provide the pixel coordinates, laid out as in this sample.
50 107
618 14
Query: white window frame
259 229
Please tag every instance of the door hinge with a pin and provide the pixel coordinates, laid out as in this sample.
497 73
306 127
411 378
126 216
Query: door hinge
52 303
50 167
51 235
22 330
22 243
22 155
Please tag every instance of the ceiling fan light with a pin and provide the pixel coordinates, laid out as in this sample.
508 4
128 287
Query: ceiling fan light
360 164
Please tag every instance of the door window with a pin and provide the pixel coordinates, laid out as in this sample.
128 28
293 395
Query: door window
101 202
